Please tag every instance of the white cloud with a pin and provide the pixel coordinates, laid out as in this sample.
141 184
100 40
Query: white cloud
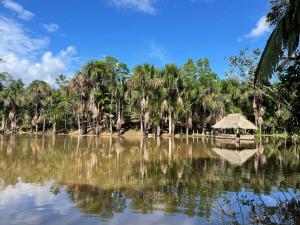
261 28
17 8
145 6
24 55
46 68
51 27
14 38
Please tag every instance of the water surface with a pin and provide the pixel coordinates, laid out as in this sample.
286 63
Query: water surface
90 180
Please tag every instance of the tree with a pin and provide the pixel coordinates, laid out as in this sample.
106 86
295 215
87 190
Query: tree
172 85
13 100
36 93
190 93
285 16
141 84
80 85
66 102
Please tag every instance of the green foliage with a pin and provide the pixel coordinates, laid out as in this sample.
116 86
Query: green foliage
105 95
285 15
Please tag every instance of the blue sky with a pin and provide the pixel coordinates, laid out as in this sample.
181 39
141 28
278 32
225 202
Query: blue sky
41 39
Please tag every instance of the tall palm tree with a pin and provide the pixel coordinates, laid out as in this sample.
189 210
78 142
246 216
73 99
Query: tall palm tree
285 15
4 77
37 92
172 88
13 101
141 84
80 85
122 74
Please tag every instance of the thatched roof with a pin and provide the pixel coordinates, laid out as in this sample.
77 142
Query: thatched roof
235 157
235 121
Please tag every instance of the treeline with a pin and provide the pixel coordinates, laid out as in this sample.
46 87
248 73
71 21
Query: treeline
106 96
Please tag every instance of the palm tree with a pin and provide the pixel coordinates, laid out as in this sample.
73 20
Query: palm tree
140 82
66 98
121 75
190 92
285 36
37 92
80 85
4 77
13 101
172 86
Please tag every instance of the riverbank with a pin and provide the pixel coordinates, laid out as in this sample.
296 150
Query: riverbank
136 134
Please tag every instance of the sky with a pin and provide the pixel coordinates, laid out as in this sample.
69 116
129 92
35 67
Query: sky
42 39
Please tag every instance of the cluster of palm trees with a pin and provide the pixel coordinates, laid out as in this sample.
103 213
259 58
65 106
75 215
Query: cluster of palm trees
106 96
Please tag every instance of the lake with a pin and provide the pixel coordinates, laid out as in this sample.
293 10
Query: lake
117 181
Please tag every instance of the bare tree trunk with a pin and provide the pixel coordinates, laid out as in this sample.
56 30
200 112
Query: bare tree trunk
187 131
36 128
170 123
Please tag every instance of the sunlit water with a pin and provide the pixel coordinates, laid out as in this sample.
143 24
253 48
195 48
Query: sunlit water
89 180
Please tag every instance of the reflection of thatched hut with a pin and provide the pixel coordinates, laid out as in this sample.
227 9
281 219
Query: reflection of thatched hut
235 126
235 157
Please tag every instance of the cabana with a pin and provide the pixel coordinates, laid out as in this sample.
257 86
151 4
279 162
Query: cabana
235 126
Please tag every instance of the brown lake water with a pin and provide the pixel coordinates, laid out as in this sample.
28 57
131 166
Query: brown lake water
116 181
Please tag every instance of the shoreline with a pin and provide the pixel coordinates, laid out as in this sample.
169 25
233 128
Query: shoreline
132 133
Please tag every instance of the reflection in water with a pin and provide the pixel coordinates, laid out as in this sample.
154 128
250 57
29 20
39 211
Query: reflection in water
60 180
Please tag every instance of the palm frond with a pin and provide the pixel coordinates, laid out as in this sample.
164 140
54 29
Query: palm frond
271 54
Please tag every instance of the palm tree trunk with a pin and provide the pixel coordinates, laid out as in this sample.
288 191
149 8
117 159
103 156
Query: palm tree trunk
97 126
110 123
173 127
65 124
187 131
54 128
44 124
13 125
36 128
84 126
170 123
3 123
142 125
158 129
78 123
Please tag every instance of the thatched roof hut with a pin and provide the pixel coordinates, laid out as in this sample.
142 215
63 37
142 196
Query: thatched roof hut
235 121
